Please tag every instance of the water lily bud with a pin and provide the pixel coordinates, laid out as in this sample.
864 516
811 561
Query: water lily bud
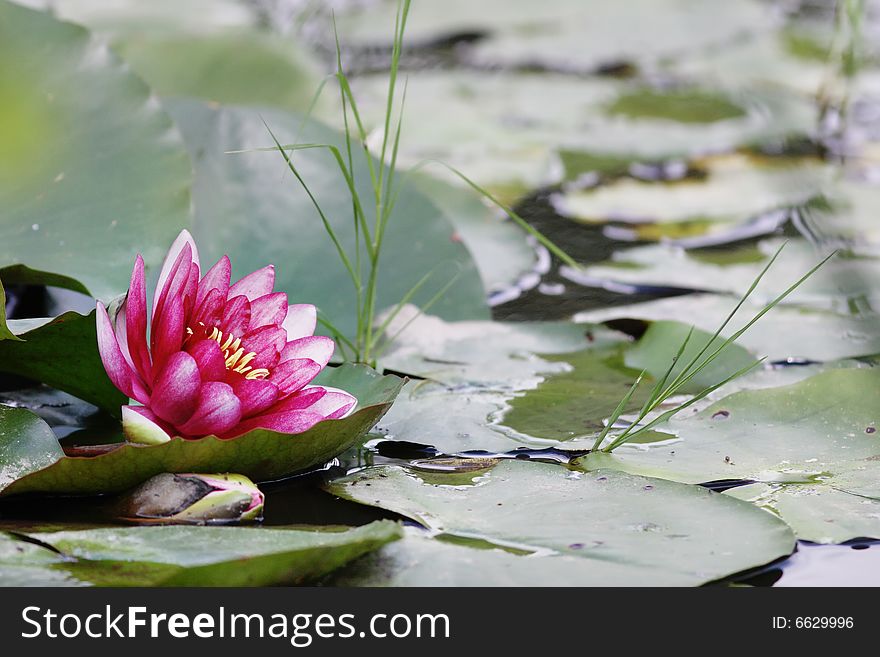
194 498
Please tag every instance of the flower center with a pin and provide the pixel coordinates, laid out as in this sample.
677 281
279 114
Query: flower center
236 358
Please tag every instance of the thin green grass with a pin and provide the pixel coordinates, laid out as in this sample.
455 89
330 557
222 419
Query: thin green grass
663 389
371 216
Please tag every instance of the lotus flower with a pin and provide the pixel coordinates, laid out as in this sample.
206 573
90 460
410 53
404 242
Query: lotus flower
221 359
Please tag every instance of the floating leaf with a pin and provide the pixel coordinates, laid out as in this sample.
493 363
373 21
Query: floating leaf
510 33
819 430
260 454
820 335
26 564
82 184
648 531
816 513
27 444
203 556
247 67
63 353
735 188
671 267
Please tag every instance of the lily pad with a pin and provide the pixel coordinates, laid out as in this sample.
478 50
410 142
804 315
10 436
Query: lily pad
27 444
566 34
668 266
497 245
651 531
248 205
445 560
63 353
260 454
26 564
819 430
820 335
736 188
683 105
816 513
245 67
156 16
5 332
81 182
204 556
503 128
500 355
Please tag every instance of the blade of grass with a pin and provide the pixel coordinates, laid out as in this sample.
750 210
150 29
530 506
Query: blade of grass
618 412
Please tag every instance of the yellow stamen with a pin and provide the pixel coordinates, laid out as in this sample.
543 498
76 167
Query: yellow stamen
234 354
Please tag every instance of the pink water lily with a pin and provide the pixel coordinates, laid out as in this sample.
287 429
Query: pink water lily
219 358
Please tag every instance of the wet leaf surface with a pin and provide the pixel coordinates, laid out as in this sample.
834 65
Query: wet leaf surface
645 530
80 182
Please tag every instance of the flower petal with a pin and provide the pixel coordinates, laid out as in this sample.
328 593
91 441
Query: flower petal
293 374
111 355
218 410
217 278
315 347
288 422
256 395
299 400
173 290
270 309
176 390
209 312
183 240
256 284
335 404
266 342
300 321
168 332
136 321
140 425
209 359
236 316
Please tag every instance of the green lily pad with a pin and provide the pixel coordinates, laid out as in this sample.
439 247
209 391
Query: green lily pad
451 420
260 454
501 355
248 205
683 105
736 188
27 444
656 348
445 560
79 183
497 245
662 265
819 430
26 564
574 403
819 335
247 67
565 34
650 531
63 353
5 332
24 275
203 556
816 513
157 16
503 129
